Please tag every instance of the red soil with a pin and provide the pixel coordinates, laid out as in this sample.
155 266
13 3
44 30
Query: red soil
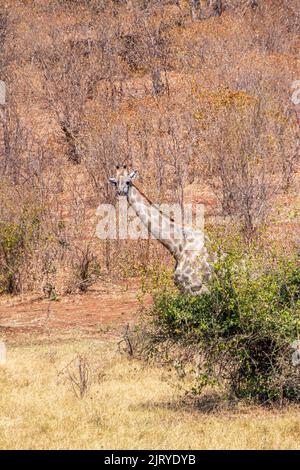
104 311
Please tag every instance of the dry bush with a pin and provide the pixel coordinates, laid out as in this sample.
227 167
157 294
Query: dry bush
77 373
26 236
68 80
16 142
251 153
204 9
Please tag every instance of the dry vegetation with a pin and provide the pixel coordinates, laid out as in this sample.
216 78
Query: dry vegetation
125 406
197 96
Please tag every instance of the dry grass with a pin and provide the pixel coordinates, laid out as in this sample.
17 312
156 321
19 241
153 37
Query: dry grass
126 406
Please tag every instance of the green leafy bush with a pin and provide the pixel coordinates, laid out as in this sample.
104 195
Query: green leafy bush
17 240
242 329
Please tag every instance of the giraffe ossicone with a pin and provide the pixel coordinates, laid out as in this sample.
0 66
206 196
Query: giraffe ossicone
193 267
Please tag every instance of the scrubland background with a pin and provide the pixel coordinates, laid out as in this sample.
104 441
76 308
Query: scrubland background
196 95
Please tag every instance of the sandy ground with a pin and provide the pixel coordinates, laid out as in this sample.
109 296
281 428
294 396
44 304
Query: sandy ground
104 311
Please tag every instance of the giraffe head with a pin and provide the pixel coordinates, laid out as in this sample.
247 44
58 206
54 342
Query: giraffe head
123 180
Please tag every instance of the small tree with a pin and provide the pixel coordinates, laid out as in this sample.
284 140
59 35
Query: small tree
244 161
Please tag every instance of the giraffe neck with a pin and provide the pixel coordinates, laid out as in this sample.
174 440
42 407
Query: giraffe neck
152 218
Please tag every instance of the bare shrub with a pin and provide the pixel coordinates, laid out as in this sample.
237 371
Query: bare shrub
71 72
246 162
125 343
77 373
146 48
204 9
85 268
15 143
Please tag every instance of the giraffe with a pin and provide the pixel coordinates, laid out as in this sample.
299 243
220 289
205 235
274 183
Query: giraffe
186 244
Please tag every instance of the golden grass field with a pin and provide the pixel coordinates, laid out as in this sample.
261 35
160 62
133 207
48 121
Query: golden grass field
127 405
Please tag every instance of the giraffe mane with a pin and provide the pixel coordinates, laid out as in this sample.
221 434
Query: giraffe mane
150 202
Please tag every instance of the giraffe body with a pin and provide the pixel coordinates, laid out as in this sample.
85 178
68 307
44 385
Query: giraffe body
187 245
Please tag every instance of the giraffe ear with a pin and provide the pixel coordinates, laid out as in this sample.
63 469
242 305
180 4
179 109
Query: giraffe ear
133 174
112 181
